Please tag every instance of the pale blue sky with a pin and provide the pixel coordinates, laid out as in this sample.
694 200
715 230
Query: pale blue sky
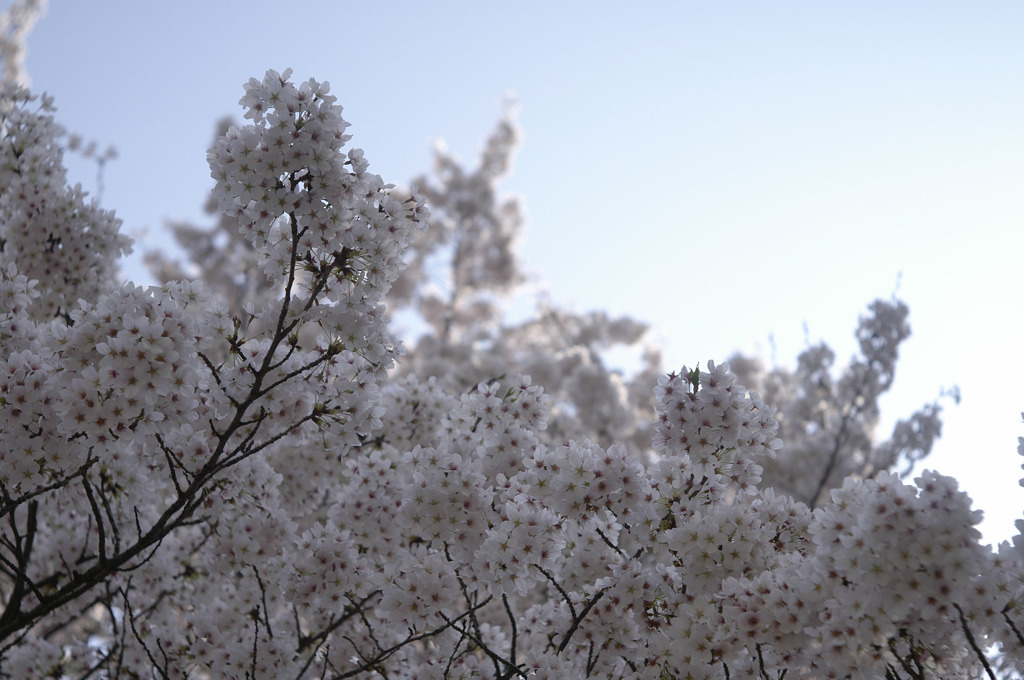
725 171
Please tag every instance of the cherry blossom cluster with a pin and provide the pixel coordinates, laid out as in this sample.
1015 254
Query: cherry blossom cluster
49 229
300 201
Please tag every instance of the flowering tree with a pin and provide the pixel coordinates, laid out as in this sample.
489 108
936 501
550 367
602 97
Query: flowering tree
194 485
828 423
